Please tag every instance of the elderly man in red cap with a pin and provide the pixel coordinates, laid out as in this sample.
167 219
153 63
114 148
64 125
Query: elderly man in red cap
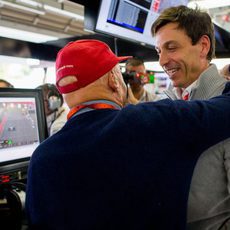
113 168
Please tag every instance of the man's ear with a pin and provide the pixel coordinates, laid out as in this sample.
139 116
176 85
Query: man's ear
205 45
113 81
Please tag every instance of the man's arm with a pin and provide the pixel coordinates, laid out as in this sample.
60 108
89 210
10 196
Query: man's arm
197 123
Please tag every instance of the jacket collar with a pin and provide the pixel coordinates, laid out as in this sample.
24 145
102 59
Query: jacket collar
209 84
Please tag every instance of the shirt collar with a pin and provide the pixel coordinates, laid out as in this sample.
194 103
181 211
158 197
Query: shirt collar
180 92
87 109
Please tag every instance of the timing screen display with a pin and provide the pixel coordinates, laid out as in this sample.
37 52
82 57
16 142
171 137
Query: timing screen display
18 128
127 15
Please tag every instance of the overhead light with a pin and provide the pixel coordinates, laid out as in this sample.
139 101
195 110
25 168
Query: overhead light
51 9
151 65
207 4
40 7
20 7
25 35
32 62
154 65
31 3
19 60
38 25
63 12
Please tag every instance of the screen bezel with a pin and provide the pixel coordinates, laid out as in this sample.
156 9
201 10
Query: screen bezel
41 121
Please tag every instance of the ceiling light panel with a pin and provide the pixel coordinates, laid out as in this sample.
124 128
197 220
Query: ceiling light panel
25 35
21 7
64 18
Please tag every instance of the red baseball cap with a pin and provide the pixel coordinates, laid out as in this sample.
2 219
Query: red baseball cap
87 60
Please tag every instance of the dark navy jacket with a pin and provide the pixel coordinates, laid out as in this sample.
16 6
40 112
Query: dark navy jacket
128 169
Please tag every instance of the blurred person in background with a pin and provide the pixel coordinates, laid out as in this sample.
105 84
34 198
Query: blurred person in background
184 40
56 113
137 93
5 84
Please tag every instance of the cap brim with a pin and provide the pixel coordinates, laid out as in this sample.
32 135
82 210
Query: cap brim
124 58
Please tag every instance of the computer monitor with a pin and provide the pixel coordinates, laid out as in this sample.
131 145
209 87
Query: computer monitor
132 19
22 126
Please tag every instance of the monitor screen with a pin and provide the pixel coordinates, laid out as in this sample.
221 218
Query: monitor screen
22 124
132 19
